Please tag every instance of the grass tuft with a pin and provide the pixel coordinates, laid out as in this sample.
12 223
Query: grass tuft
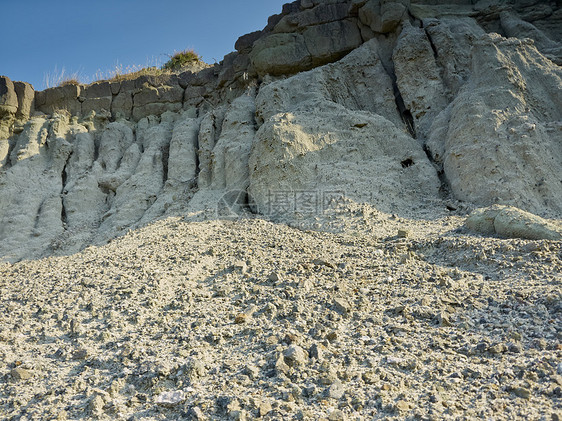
60 78
120 73
70 81
134 72
181 60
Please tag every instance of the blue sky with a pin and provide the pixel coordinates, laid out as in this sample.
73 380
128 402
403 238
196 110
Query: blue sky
41 38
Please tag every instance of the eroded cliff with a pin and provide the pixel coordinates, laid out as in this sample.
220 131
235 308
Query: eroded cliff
398 104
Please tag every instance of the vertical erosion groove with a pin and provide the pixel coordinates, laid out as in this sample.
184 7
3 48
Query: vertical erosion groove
38 215
97 141
165 162
197 162
217 128
445 188
405 114
433 47
12 142
63 215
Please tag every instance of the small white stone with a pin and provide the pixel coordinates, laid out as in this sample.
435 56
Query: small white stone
170 399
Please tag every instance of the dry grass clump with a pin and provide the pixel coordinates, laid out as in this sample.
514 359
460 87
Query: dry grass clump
177 62
182 59
71 81
60 78
122 73
134 72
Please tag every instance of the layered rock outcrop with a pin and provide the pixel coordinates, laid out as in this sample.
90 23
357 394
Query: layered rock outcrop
392 103
337 129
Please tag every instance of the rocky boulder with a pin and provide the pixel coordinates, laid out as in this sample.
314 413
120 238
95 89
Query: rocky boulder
305 39
155 100
8 107
96 97
26 100
511 222
383 16
60 98
8 96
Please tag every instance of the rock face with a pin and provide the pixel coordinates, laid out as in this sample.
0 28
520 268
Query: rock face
505 135
397 104
8 106
31 205
302 160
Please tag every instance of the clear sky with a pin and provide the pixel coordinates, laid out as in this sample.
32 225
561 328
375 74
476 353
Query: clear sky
38 38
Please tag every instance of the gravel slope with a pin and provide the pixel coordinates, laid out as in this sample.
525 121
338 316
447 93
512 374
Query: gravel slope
247 319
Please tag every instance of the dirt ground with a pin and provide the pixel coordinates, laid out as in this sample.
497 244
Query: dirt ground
386 318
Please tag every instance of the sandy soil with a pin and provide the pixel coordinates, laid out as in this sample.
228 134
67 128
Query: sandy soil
388 318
